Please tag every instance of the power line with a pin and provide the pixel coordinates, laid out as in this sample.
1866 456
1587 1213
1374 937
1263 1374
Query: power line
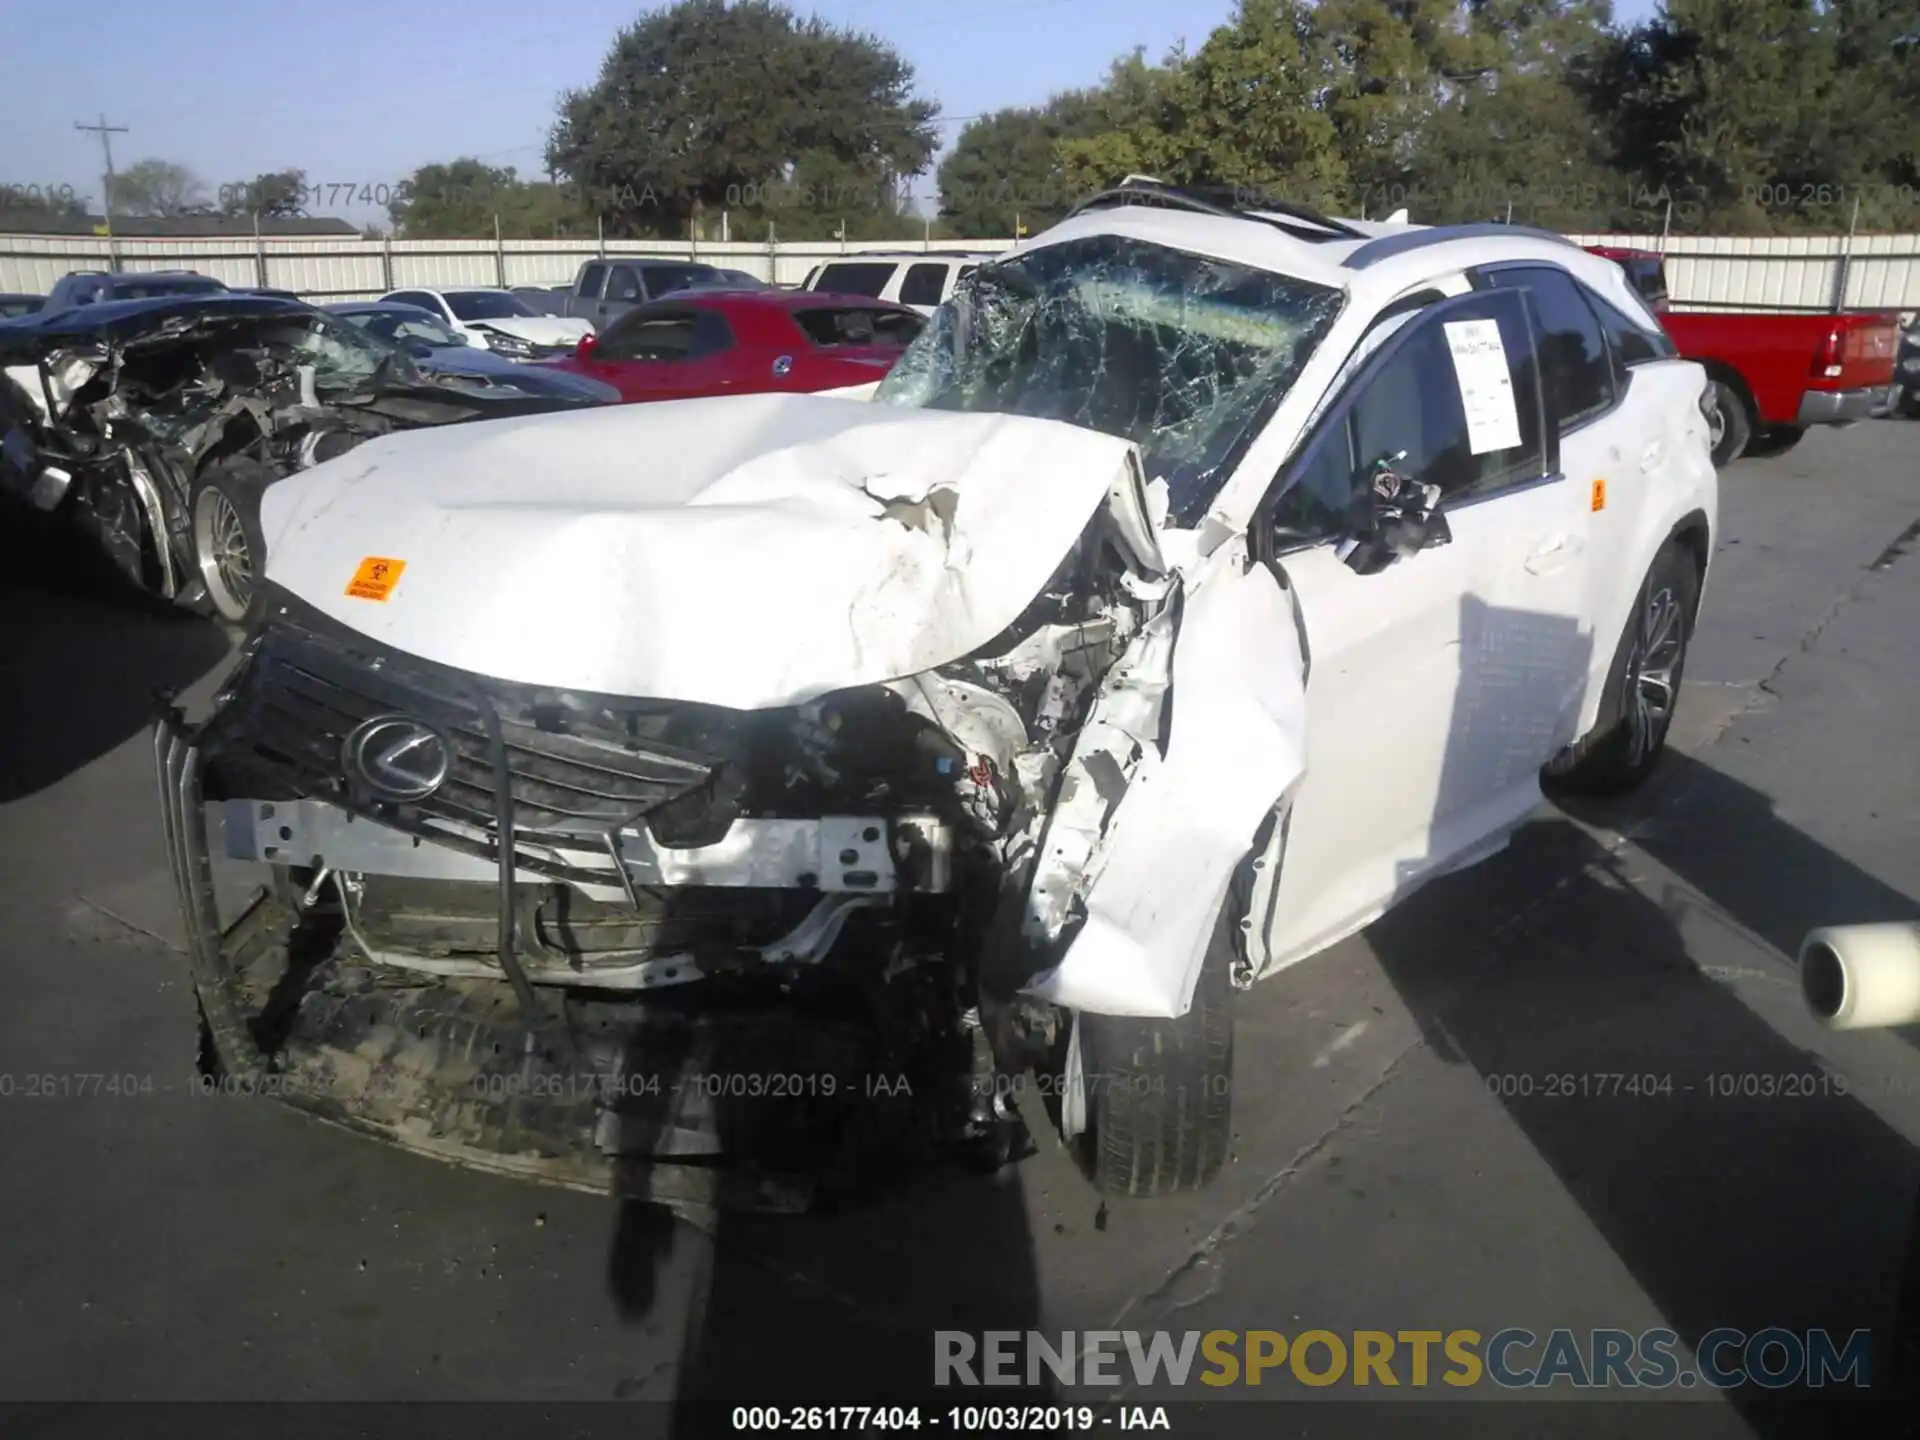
103 130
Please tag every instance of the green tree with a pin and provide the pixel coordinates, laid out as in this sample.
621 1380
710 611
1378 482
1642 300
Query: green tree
1520 134
1392 67
156 187
1006 169
1737 110
461 199
275 195
1133 129
706 106
1244 110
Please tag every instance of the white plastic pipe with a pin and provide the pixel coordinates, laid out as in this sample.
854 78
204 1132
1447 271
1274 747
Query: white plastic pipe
1859 977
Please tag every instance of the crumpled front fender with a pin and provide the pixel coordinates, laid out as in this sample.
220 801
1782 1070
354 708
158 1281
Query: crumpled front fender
1232 711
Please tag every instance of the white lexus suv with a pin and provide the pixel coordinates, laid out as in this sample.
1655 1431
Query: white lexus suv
1207 576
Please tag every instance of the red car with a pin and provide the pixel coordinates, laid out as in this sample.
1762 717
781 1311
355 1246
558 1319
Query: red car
741 342
1774 372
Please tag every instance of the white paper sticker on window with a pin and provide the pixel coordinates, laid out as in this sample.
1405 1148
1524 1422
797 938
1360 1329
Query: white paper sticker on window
1486 384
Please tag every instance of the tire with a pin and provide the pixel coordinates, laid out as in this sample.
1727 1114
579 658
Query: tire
1775 440
1731 425
229 550
1159 1093
1623 748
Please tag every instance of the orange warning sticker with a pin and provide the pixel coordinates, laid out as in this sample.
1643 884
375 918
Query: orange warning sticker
375 578
1599 494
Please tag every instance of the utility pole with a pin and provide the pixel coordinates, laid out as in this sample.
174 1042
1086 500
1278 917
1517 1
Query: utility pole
103 130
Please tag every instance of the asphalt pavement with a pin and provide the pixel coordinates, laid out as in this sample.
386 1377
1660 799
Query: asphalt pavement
1429 1134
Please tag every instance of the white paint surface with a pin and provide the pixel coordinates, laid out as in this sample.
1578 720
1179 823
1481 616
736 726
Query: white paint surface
727 551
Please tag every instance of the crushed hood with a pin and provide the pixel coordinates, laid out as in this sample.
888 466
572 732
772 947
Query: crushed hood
747 551
537 329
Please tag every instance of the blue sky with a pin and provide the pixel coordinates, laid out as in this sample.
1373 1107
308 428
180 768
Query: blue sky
359 92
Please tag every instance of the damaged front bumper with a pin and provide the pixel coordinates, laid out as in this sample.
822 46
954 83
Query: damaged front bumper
594 1089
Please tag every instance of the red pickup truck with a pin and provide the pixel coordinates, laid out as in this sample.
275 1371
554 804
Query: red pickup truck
1774 373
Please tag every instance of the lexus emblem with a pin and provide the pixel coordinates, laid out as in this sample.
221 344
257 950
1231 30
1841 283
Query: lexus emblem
396 757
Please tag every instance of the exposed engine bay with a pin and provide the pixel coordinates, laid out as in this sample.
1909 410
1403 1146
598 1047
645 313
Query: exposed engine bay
117 413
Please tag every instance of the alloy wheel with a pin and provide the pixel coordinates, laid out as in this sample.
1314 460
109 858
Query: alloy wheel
1653 671
225 559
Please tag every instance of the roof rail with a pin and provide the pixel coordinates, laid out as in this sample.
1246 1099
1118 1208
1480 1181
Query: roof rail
1388 246
1224 200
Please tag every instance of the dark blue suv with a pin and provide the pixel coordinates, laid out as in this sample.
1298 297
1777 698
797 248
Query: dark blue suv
91 287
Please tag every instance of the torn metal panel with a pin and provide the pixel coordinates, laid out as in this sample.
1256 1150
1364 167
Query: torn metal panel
1235 747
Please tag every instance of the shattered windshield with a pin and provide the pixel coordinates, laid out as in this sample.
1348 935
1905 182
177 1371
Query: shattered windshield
400 324
1180 353
345 357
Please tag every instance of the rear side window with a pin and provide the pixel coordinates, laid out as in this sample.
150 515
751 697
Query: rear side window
665 279
711 334
623 283
1649 277
592 276
855 279
649 336
923 285
830 326
1631 344
1574 364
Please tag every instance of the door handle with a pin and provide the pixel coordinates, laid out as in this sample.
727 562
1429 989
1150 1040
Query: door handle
1556 552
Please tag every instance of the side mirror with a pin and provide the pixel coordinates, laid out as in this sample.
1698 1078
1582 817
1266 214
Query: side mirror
1394 517
416 347
586 346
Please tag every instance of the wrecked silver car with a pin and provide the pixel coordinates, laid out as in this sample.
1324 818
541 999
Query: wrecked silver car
156 424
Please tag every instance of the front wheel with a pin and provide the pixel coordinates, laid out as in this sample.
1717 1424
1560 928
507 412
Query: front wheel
1643 684
229 551
1159 1093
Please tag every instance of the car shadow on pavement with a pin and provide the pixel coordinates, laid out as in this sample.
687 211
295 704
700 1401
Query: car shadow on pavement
838 1305
1727 841
1602 1036
81 652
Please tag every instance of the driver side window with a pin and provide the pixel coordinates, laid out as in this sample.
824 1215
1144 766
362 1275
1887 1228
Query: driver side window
1442 405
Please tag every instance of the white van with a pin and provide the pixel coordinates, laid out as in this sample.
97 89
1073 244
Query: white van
919 279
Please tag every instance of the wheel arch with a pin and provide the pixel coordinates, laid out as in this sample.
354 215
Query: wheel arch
1695 533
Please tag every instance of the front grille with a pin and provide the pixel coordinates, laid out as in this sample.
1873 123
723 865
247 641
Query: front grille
293 709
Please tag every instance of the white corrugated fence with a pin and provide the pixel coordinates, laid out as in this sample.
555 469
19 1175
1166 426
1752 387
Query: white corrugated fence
1813 273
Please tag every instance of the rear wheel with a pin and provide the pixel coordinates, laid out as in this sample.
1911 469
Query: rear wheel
1159 1092
1643 685
1729 426
229 551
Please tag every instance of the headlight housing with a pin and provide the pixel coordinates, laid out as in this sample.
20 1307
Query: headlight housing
512 346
